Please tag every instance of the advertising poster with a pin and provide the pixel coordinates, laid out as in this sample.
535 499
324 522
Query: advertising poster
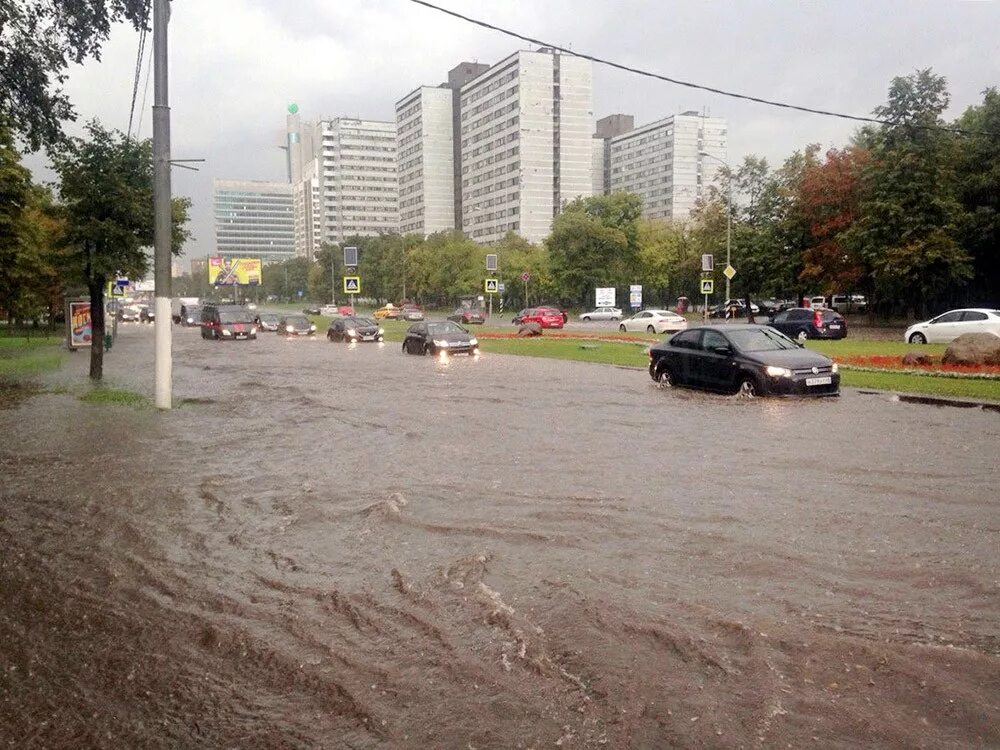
605 296
635 296
79 324
234 271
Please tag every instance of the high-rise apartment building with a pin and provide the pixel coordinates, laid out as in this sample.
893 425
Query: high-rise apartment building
254 219
607 128
308 214
525 143
663 163
425 152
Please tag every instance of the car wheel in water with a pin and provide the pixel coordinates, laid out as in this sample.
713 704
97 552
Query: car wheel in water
665 378
748 388
650 329
622 328
803 335
586 319
918 338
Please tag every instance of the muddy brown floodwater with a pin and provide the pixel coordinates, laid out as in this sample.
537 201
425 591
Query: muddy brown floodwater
333 546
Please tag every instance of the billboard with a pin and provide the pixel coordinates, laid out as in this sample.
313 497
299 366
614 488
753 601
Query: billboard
605 296
234 271
78 324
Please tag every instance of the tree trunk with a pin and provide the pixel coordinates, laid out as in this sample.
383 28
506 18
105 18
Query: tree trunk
96 287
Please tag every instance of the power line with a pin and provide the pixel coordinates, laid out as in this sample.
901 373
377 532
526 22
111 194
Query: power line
145 92
690 84
138 73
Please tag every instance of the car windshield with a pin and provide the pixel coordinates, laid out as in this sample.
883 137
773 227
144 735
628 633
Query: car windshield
299 321
760 340
437 329
268 318
360 322
234 316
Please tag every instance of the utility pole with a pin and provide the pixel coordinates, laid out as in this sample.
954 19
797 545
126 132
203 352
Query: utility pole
333 278
163 357
729 217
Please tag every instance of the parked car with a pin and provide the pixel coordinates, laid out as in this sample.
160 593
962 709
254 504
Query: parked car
146 314
468 315
602 313
311 311
546 317
128 314
353 329
817 303
411 312
654 321
441 338
766 306
753 360
329 311
387 312
190 315
848 303
267 321
802 323
224 322
738 307
947 327
296 325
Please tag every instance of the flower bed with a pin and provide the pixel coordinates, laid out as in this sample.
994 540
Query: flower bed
875 363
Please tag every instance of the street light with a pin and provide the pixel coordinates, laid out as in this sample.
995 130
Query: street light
729 216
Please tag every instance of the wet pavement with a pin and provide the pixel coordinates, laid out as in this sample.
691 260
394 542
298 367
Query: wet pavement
341 546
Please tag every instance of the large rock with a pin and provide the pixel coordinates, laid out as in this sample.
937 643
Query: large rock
529 329
916 358
973 349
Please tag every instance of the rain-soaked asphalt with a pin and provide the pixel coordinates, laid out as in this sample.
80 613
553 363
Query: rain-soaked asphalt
330 546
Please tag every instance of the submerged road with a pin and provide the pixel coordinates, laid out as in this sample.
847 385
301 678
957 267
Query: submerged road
336 546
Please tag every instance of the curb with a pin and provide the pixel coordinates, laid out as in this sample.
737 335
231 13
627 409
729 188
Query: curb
916 398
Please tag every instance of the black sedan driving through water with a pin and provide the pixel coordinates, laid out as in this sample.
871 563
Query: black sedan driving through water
440 338
748 359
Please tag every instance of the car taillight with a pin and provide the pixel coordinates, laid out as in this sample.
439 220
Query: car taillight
818 320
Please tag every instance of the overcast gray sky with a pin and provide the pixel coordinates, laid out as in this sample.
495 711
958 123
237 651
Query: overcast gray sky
236 64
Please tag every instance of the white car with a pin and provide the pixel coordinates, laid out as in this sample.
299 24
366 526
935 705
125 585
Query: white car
654 321
330 311
947 327
602 313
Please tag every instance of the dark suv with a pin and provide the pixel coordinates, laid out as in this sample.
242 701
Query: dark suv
227 322
803 323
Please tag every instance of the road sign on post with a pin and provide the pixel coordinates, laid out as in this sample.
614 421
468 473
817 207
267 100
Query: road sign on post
729 272
492 286
707 262
352 285
605 296
351 257
635 296
707 286
491 262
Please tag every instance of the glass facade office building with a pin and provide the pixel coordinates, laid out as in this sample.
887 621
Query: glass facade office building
254 219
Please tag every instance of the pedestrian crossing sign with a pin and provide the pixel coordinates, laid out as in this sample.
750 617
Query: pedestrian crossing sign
352 285
707 286
492 286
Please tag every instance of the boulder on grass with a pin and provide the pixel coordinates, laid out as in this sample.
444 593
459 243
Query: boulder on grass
973 349
916 358
529 329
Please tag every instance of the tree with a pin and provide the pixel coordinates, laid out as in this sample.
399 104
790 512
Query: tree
106 190
594 242
979 193
908 215
39 40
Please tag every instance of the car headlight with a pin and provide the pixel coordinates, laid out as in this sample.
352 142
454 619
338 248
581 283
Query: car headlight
381 331
227 333
312 328
778 372
290 329
835 368
253 331
473 342
190 321
351 332
442 343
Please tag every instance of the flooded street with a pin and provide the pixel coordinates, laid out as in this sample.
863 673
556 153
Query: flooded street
342 546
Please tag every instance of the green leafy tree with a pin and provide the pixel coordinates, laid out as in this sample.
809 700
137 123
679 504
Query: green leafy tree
517 256
979 193
39 40
909 214
106 191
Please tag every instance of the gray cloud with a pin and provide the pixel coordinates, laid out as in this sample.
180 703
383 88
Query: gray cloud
236 64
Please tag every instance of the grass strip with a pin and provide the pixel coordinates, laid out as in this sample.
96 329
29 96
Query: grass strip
115 397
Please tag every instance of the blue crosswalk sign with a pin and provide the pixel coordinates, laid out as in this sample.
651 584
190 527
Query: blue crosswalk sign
352 285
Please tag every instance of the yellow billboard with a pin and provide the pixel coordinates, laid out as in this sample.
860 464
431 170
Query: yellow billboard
234 271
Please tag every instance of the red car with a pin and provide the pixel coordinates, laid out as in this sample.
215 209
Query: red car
546 317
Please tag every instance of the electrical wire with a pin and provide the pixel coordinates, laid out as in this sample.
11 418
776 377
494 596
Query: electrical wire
140 53
691 84
145 93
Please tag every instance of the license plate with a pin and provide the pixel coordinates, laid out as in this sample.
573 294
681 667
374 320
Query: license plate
367 338
819 381
834 326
